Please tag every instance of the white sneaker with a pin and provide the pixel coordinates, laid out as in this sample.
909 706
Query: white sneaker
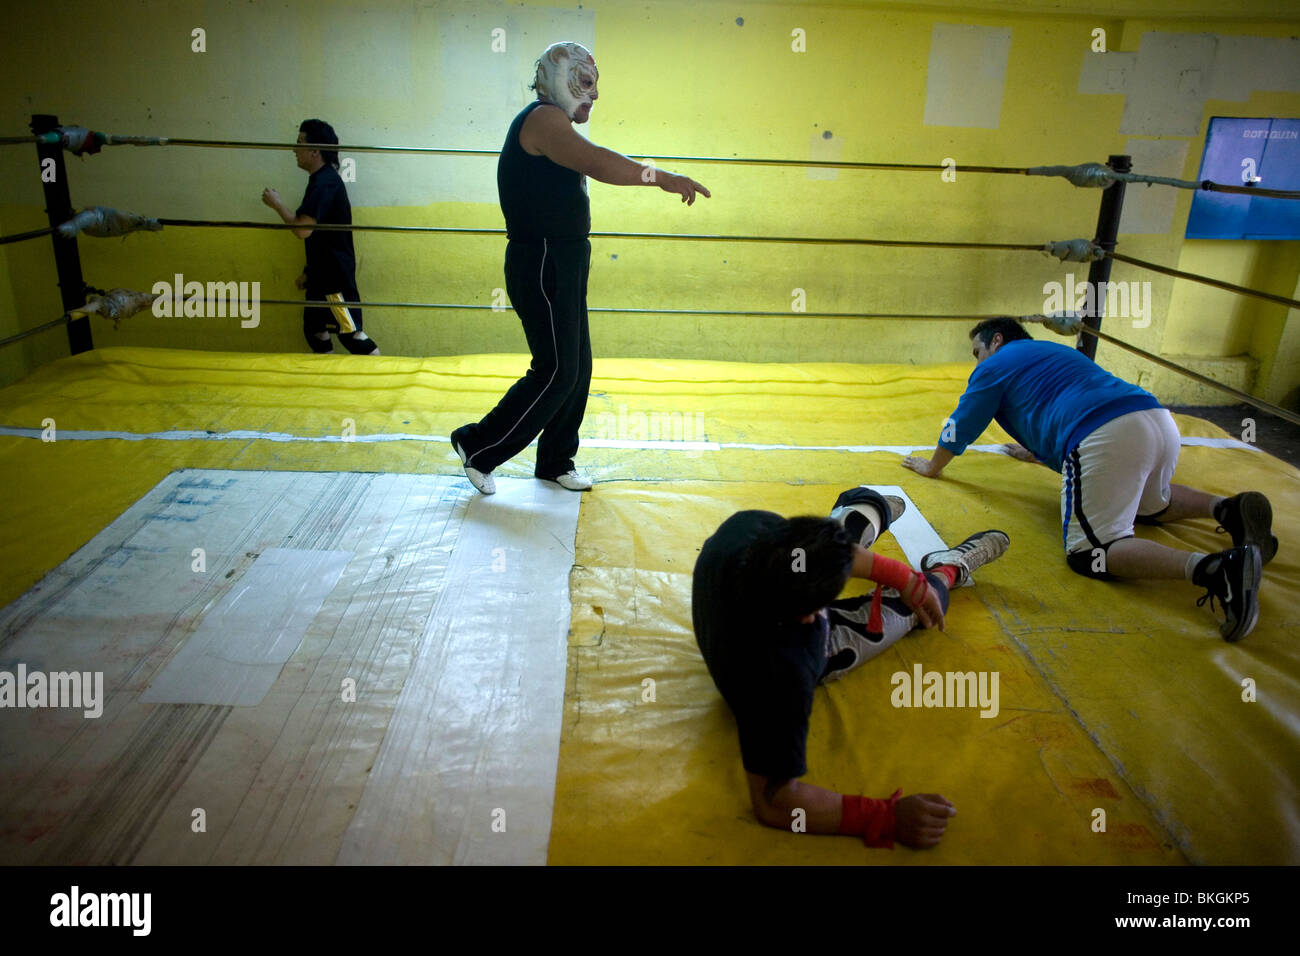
573 481
486 484
971 555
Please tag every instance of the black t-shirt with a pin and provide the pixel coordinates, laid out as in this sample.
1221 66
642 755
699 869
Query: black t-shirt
766 672
331 262
540 199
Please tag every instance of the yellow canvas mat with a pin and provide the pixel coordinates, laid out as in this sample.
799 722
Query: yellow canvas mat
1113 697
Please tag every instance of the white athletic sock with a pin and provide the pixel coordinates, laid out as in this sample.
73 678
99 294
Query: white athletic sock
1193 560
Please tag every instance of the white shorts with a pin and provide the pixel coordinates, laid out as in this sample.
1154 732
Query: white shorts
1120 471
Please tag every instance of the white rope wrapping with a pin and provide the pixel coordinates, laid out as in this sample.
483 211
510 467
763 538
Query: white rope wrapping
103 221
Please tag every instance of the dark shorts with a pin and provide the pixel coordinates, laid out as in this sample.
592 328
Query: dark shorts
336 319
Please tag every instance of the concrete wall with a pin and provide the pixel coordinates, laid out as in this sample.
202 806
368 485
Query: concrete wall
999 83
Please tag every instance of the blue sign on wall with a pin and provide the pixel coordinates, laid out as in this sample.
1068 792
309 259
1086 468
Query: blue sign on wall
1233 149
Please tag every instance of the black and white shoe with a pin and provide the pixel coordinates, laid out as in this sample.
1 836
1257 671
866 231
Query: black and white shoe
975 552
572 481
1233 577
1248 517
484 482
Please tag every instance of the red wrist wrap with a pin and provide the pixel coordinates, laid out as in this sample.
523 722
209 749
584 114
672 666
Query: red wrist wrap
872 819
897 575
875 622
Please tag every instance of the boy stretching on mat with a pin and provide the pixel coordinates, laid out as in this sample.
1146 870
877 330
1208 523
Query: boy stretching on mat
770 629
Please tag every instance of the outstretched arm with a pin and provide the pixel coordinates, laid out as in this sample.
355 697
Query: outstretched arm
548 132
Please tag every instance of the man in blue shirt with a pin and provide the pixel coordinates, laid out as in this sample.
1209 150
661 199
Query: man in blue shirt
1116 450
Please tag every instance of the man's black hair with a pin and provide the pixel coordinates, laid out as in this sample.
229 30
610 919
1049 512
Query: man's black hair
319 131
800 567
1011 330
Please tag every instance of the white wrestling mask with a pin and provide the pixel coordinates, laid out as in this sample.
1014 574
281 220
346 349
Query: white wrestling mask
566 77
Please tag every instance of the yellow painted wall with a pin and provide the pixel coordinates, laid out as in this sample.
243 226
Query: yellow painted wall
677 79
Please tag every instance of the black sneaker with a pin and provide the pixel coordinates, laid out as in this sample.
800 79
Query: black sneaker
975 552
1233 577
1248 517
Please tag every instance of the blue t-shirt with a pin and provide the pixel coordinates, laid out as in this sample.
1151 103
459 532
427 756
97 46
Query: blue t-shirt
1047 396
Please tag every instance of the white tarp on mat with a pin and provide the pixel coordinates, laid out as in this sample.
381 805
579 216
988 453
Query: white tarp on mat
239 649
389 647
467 770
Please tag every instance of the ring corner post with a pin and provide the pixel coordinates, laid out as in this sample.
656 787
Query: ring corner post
1112 205
58 207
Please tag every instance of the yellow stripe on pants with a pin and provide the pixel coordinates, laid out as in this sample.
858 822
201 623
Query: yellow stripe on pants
341 313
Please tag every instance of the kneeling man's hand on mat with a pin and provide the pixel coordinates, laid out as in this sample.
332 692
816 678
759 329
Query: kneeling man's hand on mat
921 465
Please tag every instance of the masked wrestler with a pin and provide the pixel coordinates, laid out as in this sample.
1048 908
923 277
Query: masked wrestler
542 182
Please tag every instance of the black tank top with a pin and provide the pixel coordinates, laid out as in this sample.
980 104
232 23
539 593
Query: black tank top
540 199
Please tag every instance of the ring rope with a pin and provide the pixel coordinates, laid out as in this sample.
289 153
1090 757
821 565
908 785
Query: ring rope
1245 397
80 140
1091 250
457 306
1172 366
1087 250
1091 174
806 240
1205 280
55 323
20 236
110 139
1101 175
695 237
